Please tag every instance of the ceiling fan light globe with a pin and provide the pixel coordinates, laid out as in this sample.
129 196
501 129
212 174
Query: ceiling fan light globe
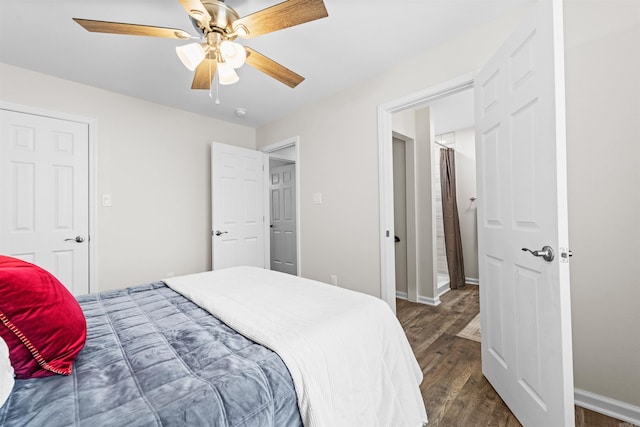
191 55
226 74
233 53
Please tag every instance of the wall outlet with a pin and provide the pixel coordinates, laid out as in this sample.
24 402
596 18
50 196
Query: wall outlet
334 280
170 274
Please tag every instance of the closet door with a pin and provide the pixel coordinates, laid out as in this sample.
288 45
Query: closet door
44 191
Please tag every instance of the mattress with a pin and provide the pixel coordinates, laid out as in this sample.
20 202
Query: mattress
153 357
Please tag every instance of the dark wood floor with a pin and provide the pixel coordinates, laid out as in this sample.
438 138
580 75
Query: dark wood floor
454 390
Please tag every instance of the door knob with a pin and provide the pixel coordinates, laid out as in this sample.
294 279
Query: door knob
546 253
220 233
77 239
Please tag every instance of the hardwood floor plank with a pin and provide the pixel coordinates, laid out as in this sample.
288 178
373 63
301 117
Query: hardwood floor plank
454 390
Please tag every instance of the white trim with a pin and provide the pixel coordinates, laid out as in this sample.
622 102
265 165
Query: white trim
607 406
385 183
434 302
471 281
443 290
385 175
402 295
421 300
293 141
92 125
266 220
274 156
429 301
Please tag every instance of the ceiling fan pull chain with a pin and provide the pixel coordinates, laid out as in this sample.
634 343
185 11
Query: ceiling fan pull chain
210 79
217 92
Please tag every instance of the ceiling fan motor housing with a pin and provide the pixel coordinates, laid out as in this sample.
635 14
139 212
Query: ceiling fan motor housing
222 19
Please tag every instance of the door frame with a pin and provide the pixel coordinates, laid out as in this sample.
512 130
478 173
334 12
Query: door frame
293 141
385 167
92 125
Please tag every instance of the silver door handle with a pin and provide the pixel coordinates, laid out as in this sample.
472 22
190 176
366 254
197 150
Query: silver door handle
546 253
220 233
77 239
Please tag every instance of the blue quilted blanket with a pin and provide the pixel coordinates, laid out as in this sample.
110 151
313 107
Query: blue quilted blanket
154 358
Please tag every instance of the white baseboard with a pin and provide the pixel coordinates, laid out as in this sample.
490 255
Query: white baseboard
422 300
429 301
402 295
443 290
471 281
607 406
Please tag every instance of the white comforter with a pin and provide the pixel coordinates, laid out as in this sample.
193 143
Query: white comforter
349 358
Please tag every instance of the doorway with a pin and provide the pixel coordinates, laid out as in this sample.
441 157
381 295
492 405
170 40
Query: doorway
385 129
418 134
282 213
282 226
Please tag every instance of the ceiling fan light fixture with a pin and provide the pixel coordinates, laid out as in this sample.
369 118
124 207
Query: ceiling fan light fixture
191 55
226 74
233 53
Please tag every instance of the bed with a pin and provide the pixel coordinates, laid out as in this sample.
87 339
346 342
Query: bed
235 347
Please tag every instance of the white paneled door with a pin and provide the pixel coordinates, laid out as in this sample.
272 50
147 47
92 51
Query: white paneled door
44 191
524 296
238 211
283 219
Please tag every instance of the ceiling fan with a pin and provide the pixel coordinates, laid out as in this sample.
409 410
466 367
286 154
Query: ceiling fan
219 25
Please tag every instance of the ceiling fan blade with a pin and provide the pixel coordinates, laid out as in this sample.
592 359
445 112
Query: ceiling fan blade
131 29
196 10
282 15
204 74
272 68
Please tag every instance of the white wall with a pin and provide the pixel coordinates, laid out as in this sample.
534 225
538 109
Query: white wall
154 162
603 133
404 122
426 261
465 189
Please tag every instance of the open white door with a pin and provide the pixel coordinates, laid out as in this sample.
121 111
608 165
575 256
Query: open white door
520 146
44 189
238 208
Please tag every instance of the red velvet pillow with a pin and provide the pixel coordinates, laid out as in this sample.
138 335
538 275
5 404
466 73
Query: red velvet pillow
40 320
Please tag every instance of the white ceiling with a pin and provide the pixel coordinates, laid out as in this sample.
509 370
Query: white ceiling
359 39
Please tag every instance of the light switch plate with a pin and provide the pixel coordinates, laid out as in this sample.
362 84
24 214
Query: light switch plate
106 200
317 198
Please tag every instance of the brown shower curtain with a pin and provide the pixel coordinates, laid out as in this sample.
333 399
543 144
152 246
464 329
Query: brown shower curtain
452 239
